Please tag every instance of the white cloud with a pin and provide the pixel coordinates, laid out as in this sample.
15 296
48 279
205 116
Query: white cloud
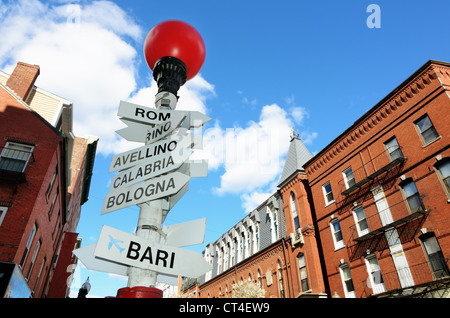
252 200
251 156
87 55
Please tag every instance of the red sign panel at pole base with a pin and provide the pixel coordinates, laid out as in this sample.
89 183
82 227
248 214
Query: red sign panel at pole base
139 292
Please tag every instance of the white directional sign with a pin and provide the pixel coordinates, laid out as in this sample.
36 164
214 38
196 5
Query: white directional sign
185 234
169 202
86 255
128 249
149 190
148 170
142 132
174 145
155 116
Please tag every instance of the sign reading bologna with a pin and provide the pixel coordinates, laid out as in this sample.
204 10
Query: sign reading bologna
149 190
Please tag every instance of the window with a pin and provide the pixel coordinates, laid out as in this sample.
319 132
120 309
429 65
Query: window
349 178
347 281
294 211
33 259
337 234
443 170
28 245
328 193
280 280
375 276
259 279
436 258
3 210
412 197
53 202
272 216
50 185
303 273
361 221
393 149
257 236
426 130
15 156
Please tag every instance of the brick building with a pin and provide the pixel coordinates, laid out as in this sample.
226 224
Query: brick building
274 246
381 194
44 179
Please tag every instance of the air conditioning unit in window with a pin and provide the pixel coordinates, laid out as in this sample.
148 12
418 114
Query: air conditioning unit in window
296 238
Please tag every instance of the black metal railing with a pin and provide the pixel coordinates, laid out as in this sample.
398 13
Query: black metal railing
374 224
407 281
367 172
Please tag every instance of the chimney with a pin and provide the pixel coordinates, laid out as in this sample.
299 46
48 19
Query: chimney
22 79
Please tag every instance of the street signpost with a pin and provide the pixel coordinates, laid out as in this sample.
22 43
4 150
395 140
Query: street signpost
156 175
124 248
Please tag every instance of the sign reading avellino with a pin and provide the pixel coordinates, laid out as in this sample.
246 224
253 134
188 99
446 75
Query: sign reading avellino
174 145
149 190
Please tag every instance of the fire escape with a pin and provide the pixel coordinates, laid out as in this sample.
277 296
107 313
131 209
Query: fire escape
380 229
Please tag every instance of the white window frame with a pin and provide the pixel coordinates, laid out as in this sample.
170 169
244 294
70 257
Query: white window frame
342 269
421 132
28 245
392 147
3 210
445 180
33 259
25 154
373 266
337 244
347 179
274 226
303 273
325 193
415 195
294 211
359 221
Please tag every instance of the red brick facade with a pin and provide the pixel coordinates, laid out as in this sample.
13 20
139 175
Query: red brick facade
38 202
311 274
384 225
372 206
29 206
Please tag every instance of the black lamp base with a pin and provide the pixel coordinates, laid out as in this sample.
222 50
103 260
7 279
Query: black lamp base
170 73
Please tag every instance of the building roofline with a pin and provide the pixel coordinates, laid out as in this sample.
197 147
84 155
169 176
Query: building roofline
377 105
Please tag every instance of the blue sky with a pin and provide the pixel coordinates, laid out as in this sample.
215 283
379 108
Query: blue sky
316 66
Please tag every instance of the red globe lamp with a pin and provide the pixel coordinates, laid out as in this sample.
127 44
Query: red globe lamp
175 52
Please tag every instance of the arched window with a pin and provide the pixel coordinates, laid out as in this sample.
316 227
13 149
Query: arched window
280 280
259 279
303 272
294 211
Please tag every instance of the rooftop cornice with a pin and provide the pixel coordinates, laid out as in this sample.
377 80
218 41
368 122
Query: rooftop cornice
430 73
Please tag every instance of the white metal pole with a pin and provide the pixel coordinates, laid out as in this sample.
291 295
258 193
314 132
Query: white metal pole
150 214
